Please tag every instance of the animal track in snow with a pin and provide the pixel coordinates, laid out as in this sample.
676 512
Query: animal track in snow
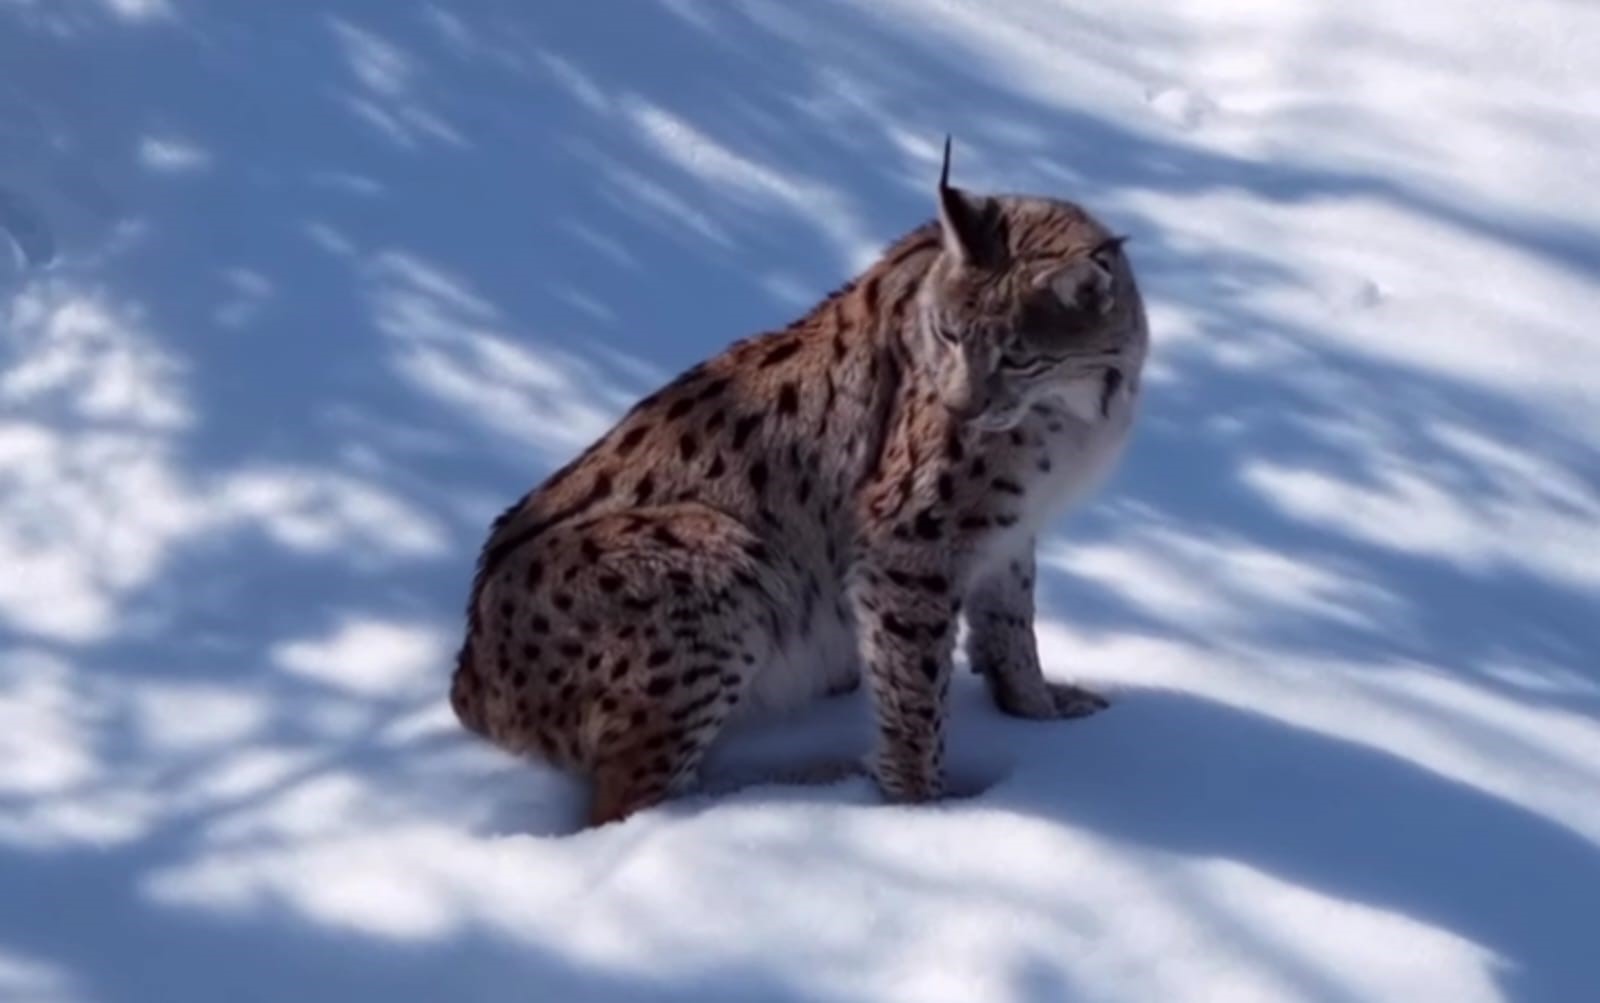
27 231
1187 109
1351 294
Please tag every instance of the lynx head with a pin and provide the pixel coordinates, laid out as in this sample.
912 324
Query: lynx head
1029 298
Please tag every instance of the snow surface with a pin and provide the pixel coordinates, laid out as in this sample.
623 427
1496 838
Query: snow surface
293 302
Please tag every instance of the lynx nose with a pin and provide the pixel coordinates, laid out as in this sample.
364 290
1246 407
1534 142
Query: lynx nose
967 398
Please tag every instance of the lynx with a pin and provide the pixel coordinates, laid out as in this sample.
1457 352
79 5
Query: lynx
816 505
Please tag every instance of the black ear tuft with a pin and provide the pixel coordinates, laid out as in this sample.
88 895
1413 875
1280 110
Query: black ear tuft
1105 253
973 230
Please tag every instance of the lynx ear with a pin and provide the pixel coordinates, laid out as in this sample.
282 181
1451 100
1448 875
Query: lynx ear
973 231
1084 286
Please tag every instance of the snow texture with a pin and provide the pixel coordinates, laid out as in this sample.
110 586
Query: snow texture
292 304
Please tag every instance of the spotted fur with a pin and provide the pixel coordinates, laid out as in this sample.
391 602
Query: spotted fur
815 501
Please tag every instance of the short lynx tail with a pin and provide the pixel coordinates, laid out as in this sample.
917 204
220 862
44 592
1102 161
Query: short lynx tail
466 692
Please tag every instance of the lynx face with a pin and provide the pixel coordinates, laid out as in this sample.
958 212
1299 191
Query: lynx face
1030 301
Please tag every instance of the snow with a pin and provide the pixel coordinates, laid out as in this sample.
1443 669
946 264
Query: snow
291 306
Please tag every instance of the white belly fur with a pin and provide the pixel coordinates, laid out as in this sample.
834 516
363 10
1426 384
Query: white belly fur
807 665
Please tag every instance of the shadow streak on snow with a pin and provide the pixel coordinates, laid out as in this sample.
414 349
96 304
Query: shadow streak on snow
1207 781
124 950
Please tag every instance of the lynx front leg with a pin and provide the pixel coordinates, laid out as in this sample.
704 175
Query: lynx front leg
1001 645
906 611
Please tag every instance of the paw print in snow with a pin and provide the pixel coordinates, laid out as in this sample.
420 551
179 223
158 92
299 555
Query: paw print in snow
33 244
1182 107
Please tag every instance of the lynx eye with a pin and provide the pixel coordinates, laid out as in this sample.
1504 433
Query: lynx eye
946 335
1025 365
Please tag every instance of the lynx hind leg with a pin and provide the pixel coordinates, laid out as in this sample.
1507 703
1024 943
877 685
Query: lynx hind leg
652 731
642 763
656 621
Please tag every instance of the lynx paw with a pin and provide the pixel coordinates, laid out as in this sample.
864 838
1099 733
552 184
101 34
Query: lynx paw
1050 702
842 687
907 785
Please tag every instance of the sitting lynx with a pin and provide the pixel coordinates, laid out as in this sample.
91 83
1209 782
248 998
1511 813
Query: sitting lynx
827 497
